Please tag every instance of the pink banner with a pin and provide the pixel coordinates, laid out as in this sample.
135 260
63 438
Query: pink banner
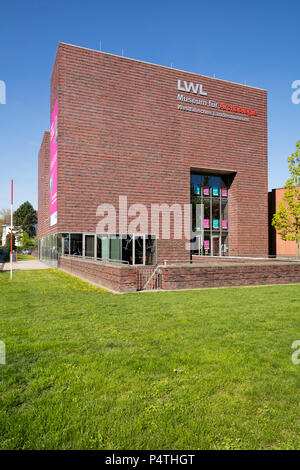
224 192
53 165
206 244
206 191
206 223
224 224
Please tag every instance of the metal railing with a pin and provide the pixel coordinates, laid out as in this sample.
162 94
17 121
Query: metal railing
93 258
149 278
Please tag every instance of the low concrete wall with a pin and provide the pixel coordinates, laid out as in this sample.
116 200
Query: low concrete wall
229 274
119 278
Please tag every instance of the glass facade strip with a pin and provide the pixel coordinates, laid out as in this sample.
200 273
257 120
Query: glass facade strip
139 243
105 248
128 248
209 199
115 248
76 244
48 252
89 246
150 250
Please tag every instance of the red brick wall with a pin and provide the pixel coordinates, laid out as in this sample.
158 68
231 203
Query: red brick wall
227 259
278 246
117 278
120 133
43 186
125 278
193 277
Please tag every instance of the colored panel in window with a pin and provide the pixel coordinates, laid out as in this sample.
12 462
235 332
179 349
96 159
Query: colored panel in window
115 248
105 248
224 192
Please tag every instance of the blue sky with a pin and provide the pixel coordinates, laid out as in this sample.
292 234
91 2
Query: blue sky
256 41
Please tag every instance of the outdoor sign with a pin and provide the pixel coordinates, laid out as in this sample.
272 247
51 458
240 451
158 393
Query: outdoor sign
224 192
53 165
215 191
206 191
213 108
206 223
216 223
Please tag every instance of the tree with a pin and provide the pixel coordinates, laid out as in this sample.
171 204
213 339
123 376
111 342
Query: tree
27 242
286 220
7 242
25 218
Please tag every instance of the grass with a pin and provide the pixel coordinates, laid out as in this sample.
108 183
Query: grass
25 257
207 369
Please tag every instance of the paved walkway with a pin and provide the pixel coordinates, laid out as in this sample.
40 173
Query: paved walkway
25 265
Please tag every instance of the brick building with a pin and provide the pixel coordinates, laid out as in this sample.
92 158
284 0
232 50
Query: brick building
277 246
153 135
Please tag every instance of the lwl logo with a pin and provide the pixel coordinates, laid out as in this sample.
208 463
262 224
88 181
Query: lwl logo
195 88
2 92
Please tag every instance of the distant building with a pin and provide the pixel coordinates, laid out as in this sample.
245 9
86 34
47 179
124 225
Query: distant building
6 230
277 246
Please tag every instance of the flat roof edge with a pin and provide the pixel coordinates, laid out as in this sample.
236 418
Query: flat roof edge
163 66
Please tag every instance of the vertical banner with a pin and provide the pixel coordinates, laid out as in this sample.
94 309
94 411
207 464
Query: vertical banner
53 165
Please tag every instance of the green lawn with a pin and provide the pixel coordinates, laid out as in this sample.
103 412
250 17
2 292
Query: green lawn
25 257
87 369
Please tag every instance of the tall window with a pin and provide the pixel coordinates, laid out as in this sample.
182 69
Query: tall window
209 198
76 244
90 246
